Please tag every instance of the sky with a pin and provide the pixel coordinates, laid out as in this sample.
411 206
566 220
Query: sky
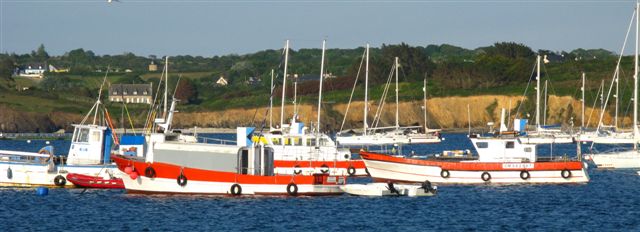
220 27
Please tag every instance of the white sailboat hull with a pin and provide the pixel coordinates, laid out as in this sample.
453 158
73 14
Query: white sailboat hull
618 160
533 139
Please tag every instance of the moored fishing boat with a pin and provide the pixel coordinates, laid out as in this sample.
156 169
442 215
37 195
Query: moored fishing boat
499 160
217 169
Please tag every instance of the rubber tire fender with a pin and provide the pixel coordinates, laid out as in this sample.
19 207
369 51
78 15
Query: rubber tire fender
445 173
149 172
486 176
324 169
59 181
524 174
566 173
351 171
182 180
292 189
236 190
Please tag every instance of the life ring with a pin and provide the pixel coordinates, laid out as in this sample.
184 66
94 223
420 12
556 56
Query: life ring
59 181
236 189
292 189
444 173
324 168
566 174
149 172
297 170
182 180
9 173
351 170
524 174
486 176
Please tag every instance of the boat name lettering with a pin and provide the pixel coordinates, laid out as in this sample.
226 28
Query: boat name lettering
517 165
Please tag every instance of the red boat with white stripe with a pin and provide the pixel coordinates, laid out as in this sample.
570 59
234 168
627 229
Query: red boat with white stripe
499 160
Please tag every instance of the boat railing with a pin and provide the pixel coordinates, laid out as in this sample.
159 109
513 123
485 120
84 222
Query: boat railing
216 141
24 157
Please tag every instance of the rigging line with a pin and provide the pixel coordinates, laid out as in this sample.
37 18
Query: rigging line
524 95
326 1
355 82
272 88
377 116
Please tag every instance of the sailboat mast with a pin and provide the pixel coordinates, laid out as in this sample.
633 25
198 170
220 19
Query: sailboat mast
366 91
544 112
271 102
166 86
295 96
615 119
284 81
538 92
424 89
320 95
635 85
584 79
397 103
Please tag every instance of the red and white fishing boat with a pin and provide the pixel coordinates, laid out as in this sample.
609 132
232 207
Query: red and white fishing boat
199 168
499 160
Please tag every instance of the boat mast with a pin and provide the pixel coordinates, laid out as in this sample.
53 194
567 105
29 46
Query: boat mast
583 89
166 86
295 97
635 85
617 78
366 91
320 95
538 92
544 112
271 102
424 89
284 81
397 103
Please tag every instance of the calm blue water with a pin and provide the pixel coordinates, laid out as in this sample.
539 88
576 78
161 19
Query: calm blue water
610 202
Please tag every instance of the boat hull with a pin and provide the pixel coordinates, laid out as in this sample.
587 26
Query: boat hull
32 175
334 168
385 168
198 181
620 160
545 140
86 181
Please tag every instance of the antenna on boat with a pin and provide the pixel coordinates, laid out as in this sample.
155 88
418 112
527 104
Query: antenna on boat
96 105
166 86
320 96
284 81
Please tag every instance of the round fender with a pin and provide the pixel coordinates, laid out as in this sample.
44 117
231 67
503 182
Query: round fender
297 170
444 173
236 189
292 189
351 170
324 168
59 181
524 174
486 176
9 173
566 174
149 172
182 180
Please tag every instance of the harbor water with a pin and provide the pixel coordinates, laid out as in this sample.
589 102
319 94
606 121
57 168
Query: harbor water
609 202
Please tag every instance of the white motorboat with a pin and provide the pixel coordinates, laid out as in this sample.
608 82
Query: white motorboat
390 189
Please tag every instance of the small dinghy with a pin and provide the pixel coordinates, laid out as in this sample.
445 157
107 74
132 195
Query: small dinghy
86 181
390 189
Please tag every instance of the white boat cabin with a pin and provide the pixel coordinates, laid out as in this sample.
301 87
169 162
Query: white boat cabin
503 150
90 144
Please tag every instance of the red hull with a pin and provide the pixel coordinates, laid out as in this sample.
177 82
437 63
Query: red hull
85 181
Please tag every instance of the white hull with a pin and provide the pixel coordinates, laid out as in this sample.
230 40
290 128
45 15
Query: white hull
381 139
170 186
310 171
625 159
382 189
419 173
545 139
614 139
29 175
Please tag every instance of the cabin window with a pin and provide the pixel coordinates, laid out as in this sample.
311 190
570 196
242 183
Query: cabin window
311 142
527 149
482 144
276 141
135 92
95 136
83 135
510 144
324 142
297 141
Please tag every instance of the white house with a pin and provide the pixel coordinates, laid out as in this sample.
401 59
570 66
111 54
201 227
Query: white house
222 82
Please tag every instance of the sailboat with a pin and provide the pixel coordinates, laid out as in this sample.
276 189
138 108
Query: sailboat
628 158
387 135
542 133
299 151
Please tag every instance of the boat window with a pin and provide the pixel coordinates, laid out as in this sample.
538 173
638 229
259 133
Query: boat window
297 141
311 142
83 135
95 136
510 144
527 149
325 142
482 144
276 141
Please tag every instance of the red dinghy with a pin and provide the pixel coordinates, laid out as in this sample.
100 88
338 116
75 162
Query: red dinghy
85 181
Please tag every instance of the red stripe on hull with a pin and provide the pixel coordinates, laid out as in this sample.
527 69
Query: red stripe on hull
169 171
473 166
